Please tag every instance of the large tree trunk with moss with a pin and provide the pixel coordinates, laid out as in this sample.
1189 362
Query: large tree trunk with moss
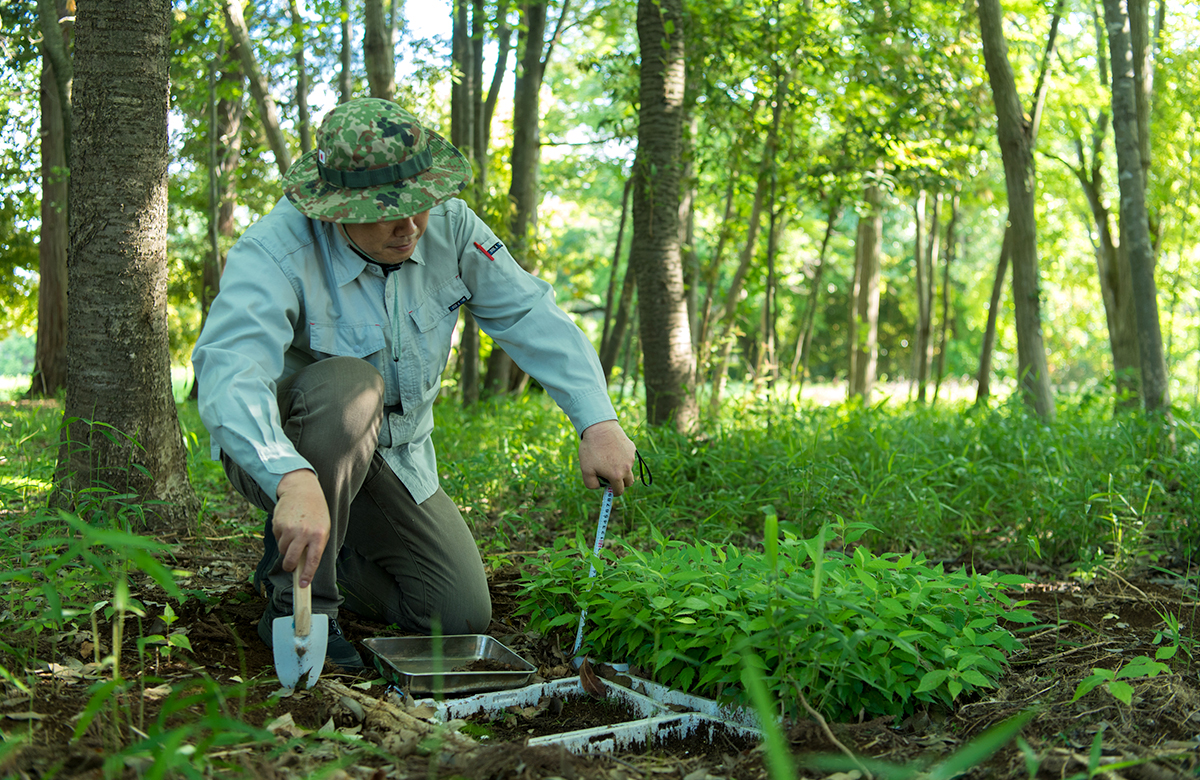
50 355
124 436
1014 132
656 256
1135 230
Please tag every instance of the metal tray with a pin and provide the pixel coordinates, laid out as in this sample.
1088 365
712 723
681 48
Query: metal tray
412 664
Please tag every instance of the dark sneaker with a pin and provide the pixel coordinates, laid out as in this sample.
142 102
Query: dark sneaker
338 649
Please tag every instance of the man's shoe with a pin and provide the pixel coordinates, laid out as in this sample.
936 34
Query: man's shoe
338 648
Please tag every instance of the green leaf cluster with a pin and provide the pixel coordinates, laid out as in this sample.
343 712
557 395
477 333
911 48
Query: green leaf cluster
853 633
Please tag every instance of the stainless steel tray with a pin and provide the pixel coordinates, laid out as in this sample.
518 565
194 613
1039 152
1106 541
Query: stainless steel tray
413 664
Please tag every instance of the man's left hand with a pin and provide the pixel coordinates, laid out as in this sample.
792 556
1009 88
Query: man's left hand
605 452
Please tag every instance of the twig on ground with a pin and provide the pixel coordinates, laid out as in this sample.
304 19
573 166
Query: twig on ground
1127 583
1064 654
829 735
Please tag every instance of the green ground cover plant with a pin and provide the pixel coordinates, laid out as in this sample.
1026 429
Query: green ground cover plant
854 633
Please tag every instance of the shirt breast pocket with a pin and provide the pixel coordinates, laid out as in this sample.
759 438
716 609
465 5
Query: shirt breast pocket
434 319
358 340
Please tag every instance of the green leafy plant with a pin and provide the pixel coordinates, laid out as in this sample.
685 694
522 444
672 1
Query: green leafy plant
1114 680
852 632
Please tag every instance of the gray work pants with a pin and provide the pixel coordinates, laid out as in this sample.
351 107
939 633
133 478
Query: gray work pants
389 558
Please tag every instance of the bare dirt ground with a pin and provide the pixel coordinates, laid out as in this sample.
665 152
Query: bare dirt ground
367 732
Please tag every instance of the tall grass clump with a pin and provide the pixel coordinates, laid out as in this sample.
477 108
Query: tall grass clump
955 480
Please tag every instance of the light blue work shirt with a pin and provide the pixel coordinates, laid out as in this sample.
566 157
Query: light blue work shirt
294 292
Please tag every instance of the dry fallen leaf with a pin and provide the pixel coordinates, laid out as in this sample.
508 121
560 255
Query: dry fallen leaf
591 683
25 716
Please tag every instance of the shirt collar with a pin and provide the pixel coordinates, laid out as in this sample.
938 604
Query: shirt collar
350 262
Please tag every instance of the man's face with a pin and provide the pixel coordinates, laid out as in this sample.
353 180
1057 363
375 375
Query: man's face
390 242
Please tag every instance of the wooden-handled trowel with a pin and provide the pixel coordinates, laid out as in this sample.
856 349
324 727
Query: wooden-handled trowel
299 640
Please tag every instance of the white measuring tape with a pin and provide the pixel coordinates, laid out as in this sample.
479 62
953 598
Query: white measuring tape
601 529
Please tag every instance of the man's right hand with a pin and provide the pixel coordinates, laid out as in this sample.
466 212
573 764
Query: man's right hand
301 523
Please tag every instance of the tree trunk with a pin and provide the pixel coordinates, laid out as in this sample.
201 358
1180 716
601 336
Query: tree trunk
225 139
804 339
655 256
1135 232
1112 265
345 53
534 55
921 330
378 54
610 304
51 18
983 387
302 118
864 317
124 435
714 267
766 173
1016 149
50 355
463 131
267 113
944 323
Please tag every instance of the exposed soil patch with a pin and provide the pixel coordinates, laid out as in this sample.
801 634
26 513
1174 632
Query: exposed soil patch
554 715
487 665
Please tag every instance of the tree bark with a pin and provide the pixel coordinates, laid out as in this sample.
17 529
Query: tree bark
944 322
922 325
804 339
609 337
345 74
267 112
655 256
50 353
378 54
464 129
123 434
983 387
304 124
864 317
1014 132
534 53
1135 231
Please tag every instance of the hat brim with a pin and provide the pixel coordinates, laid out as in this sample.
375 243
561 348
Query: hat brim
313 197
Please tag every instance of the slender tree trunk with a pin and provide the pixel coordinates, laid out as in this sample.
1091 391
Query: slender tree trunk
710 276
1135 232
799 370
51 18
983 388
463 134
608 356
944 323
920 331
345 52
534 53
259 88
50 352
225 139
766 173
302 118
670 367
378 53
610 299
119 378
1016 148
864 328
504 46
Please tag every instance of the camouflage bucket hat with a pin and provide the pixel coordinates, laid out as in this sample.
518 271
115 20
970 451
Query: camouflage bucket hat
374 161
